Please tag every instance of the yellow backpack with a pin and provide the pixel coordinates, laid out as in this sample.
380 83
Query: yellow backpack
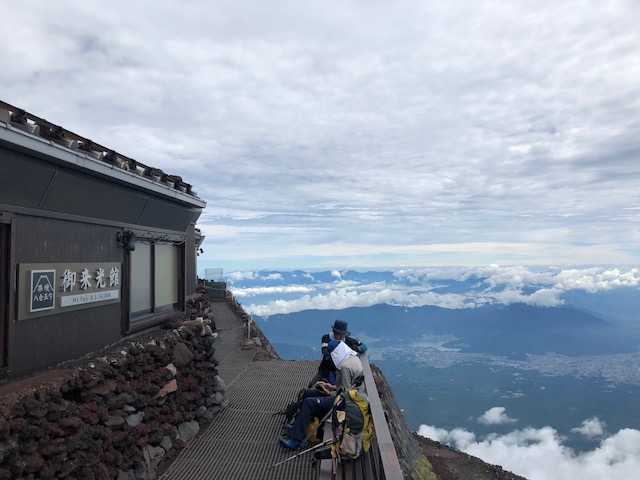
352 424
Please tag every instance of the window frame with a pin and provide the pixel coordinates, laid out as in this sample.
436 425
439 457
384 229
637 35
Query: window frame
153 315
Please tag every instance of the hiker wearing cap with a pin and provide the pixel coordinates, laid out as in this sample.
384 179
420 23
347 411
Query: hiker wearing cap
326 370
349 376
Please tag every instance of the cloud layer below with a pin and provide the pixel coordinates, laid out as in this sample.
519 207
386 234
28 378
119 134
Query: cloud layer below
539 454
454 287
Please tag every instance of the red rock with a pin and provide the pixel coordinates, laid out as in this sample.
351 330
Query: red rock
53 447
33 462
170 387
71 422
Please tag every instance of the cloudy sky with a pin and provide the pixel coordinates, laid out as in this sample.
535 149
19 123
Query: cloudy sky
358 133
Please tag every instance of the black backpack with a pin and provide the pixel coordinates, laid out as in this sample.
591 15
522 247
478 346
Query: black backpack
291 410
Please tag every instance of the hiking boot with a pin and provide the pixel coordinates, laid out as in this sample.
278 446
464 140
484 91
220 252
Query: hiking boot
288 426
290 443
323 453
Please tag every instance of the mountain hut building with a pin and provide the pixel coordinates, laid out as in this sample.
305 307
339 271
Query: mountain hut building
94 246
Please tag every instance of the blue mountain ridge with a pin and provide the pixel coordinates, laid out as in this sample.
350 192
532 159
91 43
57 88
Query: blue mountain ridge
512 331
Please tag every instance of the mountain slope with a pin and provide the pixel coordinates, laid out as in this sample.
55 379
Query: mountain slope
514 330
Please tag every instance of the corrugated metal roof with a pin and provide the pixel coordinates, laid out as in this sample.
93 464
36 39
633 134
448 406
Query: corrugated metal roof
67 152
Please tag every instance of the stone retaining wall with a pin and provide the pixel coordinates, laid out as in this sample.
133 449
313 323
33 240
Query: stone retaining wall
122 413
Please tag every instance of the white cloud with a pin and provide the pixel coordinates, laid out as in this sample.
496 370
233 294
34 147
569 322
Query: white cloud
333 300
239 276
544 297
337 299
591 428
273 276
457 436
495 416
539 454
251 292
420 287
459 134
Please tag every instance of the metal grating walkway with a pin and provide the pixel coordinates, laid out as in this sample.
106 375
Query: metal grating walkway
242 441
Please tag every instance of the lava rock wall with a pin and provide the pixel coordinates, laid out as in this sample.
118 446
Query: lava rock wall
122 413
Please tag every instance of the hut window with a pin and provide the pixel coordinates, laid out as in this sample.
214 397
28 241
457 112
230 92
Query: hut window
155 273
166 277
141 286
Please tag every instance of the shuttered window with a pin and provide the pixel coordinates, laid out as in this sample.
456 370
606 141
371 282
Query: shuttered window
155 273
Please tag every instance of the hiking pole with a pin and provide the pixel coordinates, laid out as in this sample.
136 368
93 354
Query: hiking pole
315 447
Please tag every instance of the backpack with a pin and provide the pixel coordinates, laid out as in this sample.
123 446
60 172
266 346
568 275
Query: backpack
352 425
291 410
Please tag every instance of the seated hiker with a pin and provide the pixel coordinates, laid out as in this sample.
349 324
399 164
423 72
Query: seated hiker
319 389
326 370
350 375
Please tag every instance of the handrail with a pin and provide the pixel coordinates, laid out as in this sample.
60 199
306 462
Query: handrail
382 459
381 462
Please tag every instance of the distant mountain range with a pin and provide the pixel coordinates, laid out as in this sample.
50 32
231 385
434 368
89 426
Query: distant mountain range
493 317
508 311
513 330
